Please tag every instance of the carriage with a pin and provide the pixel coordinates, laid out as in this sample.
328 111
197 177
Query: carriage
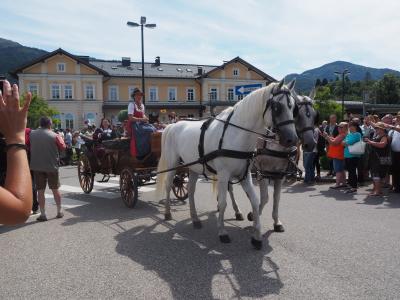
112 158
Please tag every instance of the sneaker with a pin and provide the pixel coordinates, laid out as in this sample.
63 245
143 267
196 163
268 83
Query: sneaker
42 218
60 215
351 191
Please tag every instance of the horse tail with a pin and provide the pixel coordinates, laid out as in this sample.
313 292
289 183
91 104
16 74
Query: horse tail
214 184
162 164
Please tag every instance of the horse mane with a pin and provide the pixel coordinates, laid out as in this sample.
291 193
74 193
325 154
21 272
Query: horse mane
250 105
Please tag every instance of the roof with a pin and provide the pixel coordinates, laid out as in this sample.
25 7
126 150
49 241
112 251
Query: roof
248 65
115 68
167 70
50 54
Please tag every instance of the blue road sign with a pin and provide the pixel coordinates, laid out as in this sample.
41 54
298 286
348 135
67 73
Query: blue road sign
246 89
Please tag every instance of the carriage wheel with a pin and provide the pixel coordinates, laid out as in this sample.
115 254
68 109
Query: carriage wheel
128 183
179 186
85 174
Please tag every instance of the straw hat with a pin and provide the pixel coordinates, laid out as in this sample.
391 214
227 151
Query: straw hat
380 125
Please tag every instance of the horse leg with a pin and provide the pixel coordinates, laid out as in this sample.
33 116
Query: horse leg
168 185
248 187
191 189
222 189
278 227
263 197
238 213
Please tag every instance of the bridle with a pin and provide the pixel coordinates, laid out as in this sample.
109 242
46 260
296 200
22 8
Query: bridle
276 107
307 104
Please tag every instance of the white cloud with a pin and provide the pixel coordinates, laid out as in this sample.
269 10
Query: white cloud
279 37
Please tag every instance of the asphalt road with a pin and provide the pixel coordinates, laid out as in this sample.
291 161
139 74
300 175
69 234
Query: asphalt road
336 246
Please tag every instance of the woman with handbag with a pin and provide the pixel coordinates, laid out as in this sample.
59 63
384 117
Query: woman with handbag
380 159
351 158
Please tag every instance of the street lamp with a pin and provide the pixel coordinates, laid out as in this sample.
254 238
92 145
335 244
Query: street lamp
142 24
344 73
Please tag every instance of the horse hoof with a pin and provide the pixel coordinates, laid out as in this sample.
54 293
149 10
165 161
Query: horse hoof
256 244
279 228
250 216
168 217
239 217
224 239
197 225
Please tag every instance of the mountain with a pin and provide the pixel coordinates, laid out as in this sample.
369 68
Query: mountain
13 55
306 80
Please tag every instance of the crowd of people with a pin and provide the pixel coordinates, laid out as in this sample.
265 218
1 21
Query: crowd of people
367 148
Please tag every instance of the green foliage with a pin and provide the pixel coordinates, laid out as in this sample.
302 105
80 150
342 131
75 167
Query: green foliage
123 115
326 108
323 93
39 108
387 90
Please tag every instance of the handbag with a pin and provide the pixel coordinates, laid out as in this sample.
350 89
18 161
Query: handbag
357 148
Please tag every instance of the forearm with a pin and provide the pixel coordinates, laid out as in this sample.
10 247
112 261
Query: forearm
16 196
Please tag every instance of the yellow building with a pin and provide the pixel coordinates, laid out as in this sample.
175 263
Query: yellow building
84 89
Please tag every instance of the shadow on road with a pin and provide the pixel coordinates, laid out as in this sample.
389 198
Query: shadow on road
193 262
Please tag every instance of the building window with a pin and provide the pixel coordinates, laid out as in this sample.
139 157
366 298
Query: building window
240 97
91 118
33 88
61 67
68 91
89 91
69 121
153 94
113 93
213 94
55 91
130 91
230 94
190 94
56 121
235 72
171 94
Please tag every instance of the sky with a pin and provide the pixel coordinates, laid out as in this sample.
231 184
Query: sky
278 37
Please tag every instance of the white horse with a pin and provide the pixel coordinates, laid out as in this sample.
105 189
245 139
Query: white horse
271 106
306 117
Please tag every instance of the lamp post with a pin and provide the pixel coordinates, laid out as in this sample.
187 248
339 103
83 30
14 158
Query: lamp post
344 73
142 24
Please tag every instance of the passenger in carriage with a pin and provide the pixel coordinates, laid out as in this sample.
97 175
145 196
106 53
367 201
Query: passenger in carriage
141 130
104 132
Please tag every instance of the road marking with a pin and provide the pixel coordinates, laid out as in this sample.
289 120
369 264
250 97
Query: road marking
145 189
66 202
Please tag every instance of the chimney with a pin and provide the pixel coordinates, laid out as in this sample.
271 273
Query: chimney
84 58
200 70
126 61
157 61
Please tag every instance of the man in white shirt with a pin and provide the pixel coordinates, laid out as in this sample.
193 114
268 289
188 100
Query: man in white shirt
394 135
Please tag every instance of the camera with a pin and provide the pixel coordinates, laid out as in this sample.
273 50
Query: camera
2 78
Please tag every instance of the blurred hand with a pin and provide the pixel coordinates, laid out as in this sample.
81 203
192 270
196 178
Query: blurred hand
13 117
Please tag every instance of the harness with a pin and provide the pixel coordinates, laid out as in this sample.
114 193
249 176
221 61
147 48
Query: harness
276 107
307 104
291 168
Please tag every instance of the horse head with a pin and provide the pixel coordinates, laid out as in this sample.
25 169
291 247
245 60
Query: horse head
305 120
280 108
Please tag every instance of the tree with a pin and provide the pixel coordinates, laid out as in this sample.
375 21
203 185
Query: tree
323 93
40 108
324 82
122 115
318 82
387 90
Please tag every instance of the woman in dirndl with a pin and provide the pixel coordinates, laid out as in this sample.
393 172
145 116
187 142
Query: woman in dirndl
135 114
